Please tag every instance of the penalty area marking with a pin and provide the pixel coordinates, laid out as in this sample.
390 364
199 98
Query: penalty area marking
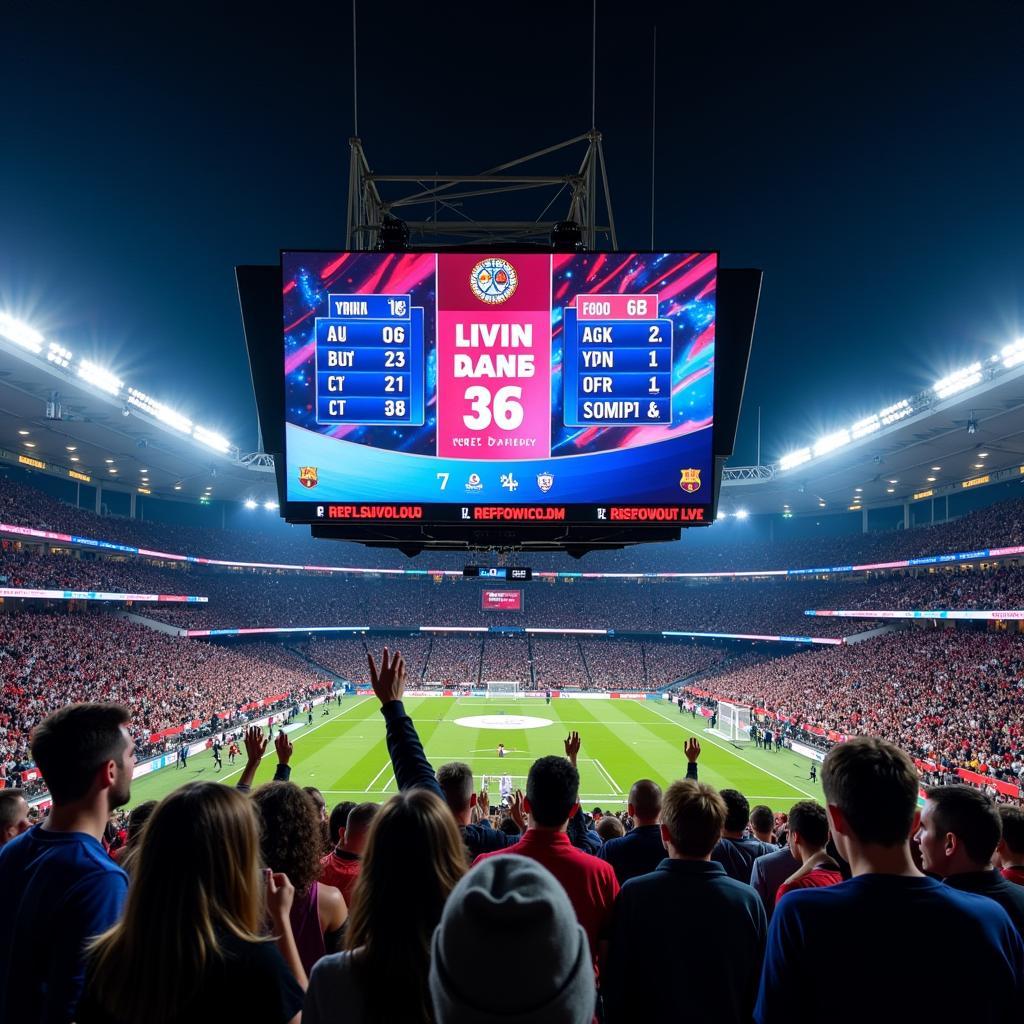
503 722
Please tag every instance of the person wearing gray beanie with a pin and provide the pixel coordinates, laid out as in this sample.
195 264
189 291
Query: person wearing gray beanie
508 910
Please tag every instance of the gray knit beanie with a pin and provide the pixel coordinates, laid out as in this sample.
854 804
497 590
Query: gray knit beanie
511 914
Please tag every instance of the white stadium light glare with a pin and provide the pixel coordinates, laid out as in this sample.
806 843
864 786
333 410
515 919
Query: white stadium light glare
959 381
159 411
1013 354
932 479
58 355
23 433
99 377
866 426
797 458
830 442
270 505
894 413
249 503
742 513
211 439
21 334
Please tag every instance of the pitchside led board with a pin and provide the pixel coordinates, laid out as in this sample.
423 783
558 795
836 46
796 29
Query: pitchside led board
499 388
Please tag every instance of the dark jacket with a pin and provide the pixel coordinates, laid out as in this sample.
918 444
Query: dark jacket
991 883
689 917
414 771
737 856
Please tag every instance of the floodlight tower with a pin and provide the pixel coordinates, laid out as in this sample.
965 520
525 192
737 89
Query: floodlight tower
440 201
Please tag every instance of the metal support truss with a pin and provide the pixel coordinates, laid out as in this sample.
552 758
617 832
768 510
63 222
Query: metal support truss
747 474
451 206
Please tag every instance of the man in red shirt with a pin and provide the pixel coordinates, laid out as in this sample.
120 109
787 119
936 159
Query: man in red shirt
341 866
808 834
1009 856
552 790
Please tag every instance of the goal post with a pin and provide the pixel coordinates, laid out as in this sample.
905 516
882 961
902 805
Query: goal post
503 688
732 722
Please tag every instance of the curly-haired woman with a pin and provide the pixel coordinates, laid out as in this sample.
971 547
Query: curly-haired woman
291 841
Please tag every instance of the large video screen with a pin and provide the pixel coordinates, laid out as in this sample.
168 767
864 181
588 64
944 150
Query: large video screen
501 600
489 388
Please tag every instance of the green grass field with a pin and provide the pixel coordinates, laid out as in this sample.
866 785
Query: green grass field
345 756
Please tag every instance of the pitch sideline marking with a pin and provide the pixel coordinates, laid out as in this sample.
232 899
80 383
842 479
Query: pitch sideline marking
604 771
753 764
387 765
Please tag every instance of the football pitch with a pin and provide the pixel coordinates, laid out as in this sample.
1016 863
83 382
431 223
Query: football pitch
344 754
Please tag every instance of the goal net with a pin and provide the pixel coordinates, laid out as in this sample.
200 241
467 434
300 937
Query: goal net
502 688
732 722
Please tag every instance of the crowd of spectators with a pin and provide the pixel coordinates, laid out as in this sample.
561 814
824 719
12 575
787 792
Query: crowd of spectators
949 697
410 909
47 660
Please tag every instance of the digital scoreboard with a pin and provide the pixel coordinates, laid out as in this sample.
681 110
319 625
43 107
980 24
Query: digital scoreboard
492 388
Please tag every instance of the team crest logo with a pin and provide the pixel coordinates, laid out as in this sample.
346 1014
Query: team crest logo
308 476
689 480
493 280
545 481
474 483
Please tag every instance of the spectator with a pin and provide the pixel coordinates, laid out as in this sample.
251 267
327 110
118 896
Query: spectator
509 910
138 817
762 824
736 851
414 858
858 930
960 829
413 770
770 870
341 866
290 844
552 798
1009 856
650 944
808 837
60 885
608 828
336 822
642 850
321 811
13 815
191 932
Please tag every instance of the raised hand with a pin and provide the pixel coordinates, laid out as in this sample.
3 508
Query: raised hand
283 746
389 681
280 896
691 748
572 747
515 810
483 801
255 744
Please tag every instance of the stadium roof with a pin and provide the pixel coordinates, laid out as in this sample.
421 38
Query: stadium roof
967 431
68 417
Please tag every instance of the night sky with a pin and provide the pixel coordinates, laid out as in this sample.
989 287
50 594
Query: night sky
873 169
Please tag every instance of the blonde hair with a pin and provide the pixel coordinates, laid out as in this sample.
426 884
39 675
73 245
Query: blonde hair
694 815
195 879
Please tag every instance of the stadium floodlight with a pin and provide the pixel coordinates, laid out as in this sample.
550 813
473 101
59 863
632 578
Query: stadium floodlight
866 426
211 439
895 412
793 459
742 513
159 411
21 334
249 503
959 381
830 442
1013 354
99 377
270 506
58 355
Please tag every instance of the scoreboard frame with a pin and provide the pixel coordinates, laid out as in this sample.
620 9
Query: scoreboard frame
520 515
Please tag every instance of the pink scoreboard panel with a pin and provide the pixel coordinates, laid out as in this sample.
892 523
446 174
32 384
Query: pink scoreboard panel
501 600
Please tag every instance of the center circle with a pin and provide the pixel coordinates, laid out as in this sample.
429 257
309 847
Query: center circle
502 722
